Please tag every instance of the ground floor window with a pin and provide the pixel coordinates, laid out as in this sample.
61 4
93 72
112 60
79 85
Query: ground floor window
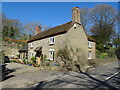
51 54
31 53
89 55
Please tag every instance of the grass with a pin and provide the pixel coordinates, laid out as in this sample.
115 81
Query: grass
98 62
13 60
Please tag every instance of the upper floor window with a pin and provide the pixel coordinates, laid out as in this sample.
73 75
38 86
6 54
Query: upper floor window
31 45
89 44
75 26
52 40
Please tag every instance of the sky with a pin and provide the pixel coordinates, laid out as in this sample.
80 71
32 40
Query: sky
47 13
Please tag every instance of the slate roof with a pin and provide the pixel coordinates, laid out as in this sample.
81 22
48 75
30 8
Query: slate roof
55 31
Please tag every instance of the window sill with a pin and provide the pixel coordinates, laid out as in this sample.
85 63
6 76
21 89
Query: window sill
51 59
89 58
31 47
51 43
89 47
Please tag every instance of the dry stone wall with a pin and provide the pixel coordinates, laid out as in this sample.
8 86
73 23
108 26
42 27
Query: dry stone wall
11 49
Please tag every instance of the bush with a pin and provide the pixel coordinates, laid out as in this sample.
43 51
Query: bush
24 61
91 62
117 52
33 59
103 55
65 57
18 56
12 60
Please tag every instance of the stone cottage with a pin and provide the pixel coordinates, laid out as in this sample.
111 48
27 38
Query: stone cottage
70 35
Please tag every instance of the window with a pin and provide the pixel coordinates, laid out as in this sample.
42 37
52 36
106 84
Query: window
89 44
75 26
89 55
31 53
52 40
31 44
51 54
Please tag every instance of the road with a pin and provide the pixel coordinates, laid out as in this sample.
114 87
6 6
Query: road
106 76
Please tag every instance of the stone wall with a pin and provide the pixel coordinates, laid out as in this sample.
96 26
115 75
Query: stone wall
10 49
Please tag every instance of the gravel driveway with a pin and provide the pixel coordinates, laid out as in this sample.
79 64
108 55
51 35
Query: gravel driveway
28 76
25 75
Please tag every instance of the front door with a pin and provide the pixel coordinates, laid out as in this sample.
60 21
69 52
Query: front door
38 56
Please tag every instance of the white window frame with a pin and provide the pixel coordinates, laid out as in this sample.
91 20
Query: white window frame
31 44
89 54
51 54
89 44
75 25
52 40
31 53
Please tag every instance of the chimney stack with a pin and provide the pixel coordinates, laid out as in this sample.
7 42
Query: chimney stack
76 14
38 29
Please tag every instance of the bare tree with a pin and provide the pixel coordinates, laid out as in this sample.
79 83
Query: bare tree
85 18
103 13
103 18
30 27
10 27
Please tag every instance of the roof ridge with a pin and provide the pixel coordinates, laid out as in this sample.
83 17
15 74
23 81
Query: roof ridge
55 27
53 31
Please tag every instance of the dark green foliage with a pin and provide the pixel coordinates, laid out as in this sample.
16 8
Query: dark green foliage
116 41
33 59
108 52
103 55
103 32
24 61
117 51
13 61
99 46
18 56
10 32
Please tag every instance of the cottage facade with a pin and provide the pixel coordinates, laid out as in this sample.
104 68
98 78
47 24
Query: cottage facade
23 52
70 35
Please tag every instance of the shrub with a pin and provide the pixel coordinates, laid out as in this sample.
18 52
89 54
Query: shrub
12 60
91 62
33 59
64 55
37 65
103 55
18 56
24 61
117 52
